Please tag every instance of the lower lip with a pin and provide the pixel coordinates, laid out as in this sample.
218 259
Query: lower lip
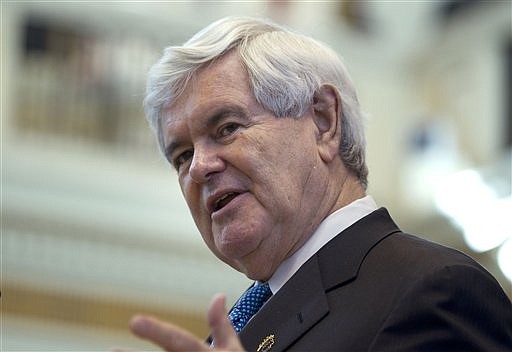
232 205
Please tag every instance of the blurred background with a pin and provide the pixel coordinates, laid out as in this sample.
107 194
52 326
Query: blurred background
94 227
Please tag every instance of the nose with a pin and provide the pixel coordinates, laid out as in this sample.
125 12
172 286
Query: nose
205 163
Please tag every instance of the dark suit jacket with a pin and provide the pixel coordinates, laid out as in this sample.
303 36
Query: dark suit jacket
375 288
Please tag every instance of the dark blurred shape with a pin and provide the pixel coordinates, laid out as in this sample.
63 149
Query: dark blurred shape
35 37
80 83
355 14
421 138
453 8
43 37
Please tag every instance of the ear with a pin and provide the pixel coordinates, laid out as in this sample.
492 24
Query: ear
326 115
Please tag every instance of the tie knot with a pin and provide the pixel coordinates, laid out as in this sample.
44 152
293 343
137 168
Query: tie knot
249 304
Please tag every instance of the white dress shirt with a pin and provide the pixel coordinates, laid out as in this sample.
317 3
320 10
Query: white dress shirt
326 231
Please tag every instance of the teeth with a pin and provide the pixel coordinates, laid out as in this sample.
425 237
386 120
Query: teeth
224 197
221 202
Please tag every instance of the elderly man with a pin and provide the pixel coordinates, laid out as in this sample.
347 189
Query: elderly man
265 131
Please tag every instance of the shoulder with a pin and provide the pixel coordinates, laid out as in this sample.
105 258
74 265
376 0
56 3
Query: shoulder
407 259
410 251
451 305
435 298
375 249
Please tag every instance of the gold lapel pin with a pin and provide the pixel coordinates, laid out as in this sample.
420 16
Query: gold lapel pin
266 344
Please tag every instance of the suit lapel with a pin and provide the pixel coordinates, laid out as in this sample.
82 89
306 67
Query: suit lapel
302 301
289 313
341 258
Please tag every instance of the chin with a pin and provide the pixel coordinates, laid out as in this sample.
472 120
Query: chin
237 243
254 268
258 274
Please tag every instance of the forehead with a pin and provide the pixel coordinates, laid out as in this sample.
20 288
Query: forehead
223 82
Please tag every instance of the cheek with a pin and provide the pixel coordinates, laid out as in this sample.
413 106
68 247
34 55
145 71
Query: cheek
192 196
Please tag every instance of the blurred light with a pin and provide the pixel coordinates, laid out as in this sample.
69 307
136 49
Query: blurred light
474 207
460 194
505 259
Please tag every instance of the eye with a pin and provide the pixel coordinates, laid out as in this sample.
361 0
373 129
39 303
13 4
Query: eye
228 129
182 158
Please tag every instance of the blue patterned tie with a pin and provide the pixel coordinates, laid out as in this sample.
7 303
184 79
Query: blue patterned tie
248 305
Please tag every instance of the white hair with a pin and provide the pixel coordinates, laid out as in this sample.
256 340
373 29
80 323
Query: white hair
285 69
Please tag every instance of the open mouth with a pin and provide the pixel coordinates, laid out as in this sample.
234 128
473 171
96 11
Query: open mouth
224 200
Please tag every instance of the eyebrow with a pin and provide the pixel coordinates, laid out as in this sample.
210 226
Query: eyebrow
211 121
225 112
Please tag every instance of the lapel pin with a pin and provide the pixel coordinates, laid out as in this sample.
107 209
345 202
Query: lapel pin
266 344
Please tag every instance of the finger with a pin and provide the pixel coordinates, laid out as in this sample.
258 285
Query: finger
166 335
223 333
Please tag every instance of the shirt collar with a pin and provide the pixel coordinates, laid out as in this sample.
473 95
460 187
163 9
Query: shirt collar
327 230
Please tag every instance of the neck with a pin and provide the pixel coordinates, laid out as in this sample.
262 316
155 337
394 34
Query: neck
349 191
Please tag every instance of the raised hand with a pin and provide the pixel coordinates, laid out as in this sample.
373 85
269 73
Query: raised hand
173 338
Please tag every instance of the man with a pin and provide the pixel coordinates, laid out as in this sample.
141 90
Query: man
265 131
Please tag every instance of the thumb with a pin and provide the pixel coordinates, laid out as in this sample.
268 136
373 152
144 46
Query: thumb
223 333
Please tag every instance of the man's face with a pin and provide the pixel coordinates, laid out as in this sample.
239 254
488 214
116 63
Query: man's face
252 181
